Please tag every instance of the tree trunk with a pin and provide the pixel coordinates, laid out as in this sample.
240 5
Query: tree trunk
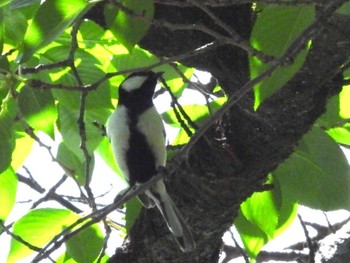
238 152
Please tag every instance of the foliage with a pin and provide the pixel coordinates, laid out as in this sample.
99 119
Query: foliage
59 73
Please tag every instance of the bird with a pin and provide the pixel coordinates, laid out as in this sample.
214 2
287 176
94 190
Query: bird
136 132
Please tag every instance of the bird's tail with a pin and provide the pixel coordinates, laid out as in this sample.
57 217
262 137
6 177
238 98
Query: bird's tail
172 216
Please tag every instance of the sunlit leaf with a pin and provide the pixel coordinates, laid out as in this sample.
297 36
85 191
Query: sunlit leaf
8 189
138 58
98 98
130 28
338 110
261 209
274 31
340 134
90 34
23 148
251 235
197 113
317 174
344 98
74 163
133 208
181 138
38 108
104 149
86 245
69 128
66 258
38 227
52 18
271 211
175 80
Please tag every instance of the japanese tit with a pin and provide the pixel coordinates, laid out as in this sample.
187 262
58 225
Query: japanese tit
136 132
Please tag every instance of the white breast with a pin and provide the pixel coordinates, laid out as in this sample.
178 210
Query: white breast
118 133
149 123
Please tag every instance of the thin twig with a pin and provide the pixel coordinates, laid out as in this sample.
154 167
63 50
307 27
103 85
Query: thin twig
81 117
177 106
242 252
18 238
53 196
308 241
93 218
105 242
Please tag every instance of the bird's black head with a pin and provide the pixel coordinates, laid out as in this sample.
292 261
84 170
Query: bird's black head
137 89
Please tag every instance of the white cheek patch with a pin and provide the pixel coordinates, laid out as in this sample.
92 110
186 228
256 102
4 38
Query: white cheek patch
118 133
133 83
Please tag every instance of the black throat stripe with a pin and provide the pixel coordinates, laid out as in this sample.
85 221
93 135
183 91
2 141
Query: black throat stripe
140 158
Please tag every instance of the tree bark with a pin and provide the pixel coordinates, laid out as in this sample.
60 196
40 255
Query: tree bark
238 152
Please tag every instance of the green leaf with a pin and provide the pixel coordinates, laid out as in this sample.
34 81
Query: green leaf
74 163
317 174
274 31
90 34
99 98
253 237
338 110
344 9
66 258
1 31
261 209
51 19
181 138
38 227
130 28
331 117
288 208
86 245
8 189
69 129
175 80
14 26
5 154
105 151
4 2
23 148
8 114
340 134
271 211
344 105
27 7
38 108
133 209
138 58
4 66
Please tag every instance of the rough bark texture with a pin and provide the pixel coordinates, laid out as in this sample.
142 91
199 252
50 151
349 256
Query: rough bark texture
244 146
